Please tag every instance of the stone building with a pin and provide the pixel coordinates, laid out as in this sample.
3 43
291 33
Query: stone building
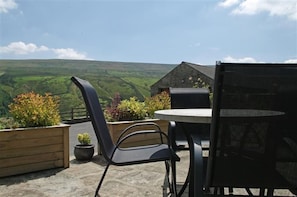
185 75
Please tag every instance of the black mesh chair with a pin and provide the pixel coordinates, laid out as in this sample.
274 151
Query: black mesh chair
252 152
115 155
183 98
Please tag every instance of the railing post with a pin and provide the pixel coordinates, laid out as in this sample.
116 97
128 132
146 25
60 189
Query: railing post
72 113
76 113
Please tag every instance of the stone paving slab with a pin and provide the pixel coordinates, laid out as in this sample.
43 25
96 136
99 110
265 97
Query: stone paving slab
81 178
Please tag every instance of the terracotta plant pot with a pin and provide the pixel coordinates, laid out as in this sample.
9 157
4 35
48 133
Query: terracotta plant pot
84 152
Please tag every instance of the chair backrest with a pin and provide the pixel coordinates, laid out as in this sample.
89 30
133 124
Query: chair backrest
253 87
189 98
97 116
183 98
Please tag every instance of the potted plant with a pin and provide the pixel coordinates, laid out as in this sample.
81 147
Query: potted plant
85 150
33 139
123 113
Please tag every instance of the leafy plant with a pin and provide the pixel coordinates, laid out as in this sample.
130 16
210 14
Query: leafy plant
33 110
128 109
133 109
8 123
112 112
84 138
157 102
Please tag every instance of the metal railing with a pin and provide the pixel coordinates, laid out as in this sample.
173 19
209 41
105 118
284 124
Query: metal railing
75 115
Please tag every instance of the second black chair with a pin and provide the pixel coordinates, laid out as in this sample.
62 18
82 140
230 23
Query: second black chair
115 155
183 98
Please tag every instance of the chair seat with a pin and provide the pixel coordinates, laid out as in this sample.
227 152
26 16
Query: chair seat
137 155
183 145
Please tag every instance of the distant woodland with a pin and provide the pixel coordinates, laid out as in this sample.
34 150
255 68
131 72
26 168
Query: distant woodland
53 76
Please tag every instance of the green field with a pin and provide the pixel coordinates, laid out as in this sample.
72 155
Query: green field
41 76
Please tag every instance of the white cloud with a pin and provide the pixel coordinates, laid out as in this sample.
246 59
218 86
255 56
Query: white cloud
228 3
21 48
6 5
240 60
69 54
286 8
291 61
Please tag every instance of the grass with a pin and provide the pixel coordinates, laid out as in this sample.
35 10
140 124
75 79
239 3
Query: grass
129 79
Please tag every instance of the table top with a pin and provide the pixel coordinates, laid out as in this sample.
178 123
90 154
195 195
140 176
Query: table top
185 115
203 115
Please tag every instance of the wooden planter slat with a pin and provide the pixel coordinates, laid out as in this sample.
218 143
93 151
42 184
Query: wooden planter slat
36 142
66 147
31 151
30 133
17 161
30 168
34 149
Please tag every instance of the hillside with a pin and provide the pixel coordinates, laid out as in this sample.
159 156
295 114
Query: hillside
129 79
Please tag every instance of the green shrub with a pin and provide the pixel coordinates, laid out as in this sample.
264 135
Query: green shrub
33 110
8 123
157 102
84 138
131 109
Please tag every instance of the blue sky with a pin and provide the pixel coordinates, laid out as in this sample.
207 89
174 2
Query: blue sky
152 31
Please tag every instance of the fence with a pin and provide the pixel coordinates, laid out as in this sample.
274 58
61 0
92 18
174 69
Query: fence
75 115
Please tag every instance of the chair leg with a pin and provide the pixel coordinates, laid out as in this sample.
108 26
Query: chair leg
165 186
101 180
170 183
249 191
230 190
269 192
173 178
215 191
182 190
262 192
222 192
219 191
166 183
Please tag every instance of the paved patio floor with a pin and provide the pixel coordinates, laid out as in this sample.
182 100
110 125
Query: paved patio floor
81 178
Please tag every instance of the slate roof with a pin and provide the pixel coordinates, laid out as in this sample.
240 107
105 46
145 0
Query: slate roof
206 70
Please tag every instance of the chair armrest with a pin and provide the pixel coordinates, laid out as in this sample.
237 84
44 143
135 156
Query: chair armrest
175 157
139 125
171 135
142 132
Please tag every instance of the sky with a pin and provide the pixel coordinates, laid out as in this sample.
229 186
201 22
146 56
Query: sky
150 31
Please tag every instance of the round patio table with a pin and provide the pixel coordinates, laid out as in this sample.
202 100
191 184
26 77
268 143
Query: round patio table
204 115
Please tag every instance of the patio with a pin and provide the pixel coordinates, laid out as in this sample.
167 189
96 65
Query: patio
81 179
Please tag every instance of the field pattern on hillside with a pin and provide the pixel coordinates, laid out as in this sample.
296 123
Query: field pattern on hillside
108 78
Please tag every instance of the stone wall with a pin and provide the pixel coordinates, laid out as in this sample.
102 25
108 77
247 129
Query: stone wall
183 76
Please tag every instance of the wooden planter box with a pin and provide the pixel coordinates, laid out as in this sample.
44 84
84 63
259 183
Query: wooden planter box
26 150
115 129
